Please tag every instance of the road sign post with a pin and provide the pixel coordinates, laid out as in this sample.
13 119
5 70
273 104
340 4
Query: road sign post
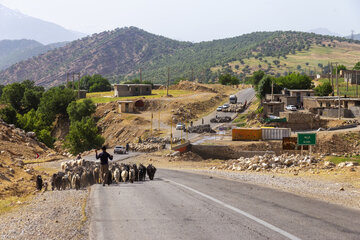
306 139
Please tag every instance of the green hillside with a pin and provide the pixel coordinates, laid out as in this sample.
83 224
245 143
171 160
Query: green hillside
119 55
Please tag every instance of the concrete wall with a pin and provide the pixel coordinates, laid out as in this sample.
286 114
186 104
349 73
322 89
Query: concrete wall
334 113
276 108
300 121
310 103
287 100
224 152
355 110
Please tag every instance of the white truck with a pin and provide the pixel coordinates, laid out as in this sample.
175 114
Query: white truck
233 99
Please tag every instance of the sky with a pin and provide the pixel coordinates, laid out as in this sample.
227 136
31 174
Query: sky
195 20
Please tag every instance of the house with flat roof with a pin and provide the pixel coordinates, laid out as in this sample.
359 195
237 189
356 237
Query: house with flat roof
125 90
328 106
273 108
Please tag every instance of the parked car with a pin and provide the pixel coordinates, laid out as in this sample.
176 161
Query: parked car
180 126
219 109
119 150
225 106
290 107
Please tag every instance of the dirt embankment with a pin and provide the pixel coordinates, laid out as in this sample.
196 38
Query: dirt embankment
16 149
120 128
338 142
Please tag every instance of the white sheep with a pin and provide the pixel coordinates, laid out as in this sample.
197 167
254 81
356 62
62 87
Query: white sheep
124 175
117 175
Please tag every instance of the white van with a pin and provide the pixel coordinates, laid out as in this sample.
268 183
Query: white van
233 99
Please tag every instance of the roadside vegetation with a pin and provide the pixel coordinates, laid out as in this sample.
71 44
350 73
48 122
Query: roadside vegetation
33 109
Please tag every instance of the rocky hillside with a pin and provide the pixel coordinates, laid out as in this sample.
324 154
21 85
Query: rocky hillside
16 149
120 53
109 53
14 51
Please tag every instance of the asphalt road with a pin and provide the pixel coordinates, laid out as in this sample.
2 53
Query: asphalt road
179 205
244 95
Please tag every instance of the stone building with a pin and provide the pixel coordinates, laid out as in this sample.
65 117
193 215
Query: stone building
273 108
125 90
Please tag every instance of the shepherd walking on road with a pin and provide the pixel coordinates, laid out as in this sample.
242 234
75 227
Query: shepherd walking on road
104 163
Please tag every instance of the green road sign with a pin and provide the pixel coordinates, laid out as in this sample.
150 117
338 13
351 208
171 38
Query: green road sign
306 139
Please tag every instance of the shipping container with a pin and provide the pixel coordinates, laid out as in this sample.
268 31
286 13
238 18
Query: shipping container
247 134
275 133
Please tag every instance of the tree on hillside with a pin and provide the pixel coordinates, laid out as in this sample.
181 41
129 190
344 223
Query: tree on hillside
22 96
357 66
83 136
324 89
339 68
228 79
31 99
13 94
265 86
94 83
55 101
79 110
8 114
34 121
294 81
1 90
256 77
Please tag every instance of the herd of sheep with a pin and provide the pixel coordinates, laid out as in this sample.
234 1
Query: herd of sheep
79 174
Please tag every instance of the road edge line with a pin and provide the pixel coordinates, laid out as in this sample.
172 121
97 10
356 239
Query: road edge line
248 215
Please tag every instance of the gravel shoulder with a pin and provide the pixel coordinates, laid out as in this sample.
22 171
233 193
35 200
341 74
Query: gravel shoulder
49 215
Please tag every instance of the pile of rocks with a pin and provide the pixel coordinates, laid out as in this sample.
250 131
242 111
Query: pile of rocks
201 129
181 114
273 162
267 162
221 119
164 140
187 156
146 147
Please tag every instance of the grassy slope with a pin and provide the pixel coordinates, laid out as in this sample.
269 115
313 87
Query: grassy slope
344 53
105 97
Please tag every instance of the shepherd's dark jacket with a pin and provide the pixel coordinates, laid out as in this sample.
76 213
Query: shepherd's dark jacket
104 156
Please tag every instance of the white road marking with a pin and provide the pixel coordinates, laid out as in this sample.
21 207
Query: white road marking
248 215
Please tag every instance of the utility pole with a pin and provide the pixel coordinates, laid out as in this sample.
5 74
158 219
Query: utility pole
67 79
357 95
168 82
140 76
272 91
73 81
159 120
332 79
338 91
78 85
329 73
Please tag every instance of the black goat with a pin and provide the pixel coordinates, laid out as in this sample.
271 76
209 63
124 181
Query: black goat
151 171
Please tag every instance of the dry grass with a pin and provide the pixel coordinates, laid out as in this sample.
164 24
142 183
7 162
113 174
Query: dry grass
12 202
344 53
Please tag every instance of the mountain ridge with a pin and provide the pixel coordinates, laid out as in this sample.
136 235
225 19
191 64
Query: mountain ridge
120 53
15 25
